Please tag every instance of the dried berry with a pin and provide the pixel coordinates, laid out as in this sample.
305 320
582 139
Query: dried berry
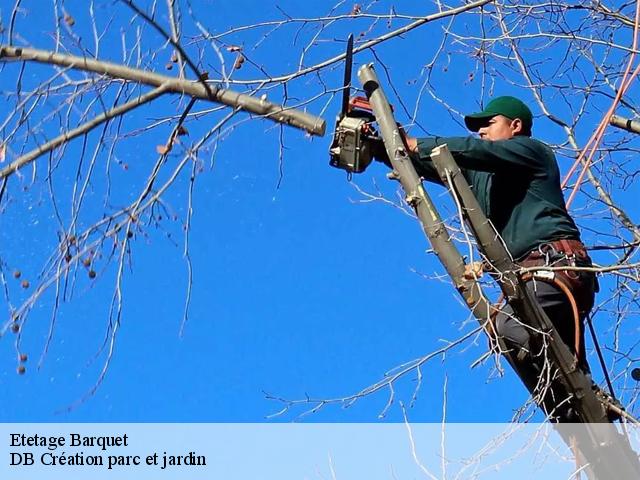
25 284
15 328
21 369
86 261
635 374
23 357
239 61
92 274
16 274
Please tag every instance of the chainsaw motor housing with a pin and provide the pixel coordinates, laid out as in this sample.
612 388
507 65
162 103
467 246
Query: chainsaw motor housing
350 149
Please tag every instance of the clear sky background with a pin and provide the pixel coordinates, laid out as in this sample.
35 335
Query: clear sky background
300 285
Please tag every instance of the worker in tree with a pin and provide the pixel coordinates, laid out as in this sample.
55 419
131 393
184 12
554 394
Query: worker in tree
517 183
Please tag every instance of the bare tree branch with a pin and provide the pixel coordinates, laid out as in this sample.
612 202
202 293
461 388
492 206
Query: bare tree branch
261 106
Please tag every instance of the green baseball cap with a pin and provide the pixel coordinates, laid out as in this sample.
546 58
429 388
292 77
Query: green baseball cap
510 107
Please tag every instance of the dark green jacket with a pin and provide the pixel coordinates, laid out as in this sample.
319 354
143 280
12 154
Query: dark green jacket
516 182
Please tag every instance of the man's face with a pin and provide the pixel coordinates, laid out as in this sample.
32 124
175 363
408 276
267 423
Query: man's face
500 128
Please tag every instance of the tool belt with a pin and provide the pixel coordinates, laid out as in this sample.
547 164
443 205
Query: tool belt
570 253
565 246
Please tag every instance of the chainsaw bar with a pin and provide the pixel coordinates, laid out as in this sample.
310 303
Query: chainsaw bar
351 149
348 66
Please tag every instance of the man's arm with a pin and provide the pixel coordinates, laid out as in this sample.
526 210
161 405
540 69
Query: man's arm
518 153
423 165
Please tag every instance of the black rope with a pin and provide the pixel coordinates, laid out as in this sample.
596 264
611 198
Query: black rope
613 247
600 357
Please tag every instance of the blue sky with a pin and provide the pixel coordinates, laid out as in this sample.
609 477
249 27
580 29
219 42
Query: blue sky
298 289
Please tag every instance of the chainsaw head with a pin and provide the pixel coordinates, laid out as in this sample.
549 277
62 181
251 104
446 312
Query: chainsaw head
351 149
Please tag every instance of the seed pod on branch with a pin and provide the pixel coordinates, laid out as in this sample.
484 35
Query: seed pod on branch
239 61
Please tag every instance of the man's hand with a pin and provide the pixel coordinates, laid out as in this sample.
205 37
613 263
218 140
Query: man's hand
380 153
473 271
410 142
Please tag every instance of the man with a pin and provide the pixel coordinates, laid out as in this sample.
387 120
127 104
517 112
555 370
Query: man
517 183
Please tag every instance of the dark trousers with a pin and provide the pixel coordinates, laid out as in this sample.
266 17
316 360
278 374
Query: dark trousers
528 351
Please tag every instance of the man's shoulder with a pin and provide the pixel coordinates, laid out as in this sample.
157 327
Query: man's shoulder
531 142
533 146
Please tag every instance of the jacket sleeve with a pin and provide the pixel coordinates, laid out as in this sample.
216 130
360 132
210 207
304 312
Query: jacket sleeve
518 153
425 167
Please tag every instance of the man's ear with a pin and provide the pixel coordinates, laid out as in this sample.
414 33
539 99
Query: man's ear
516 126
